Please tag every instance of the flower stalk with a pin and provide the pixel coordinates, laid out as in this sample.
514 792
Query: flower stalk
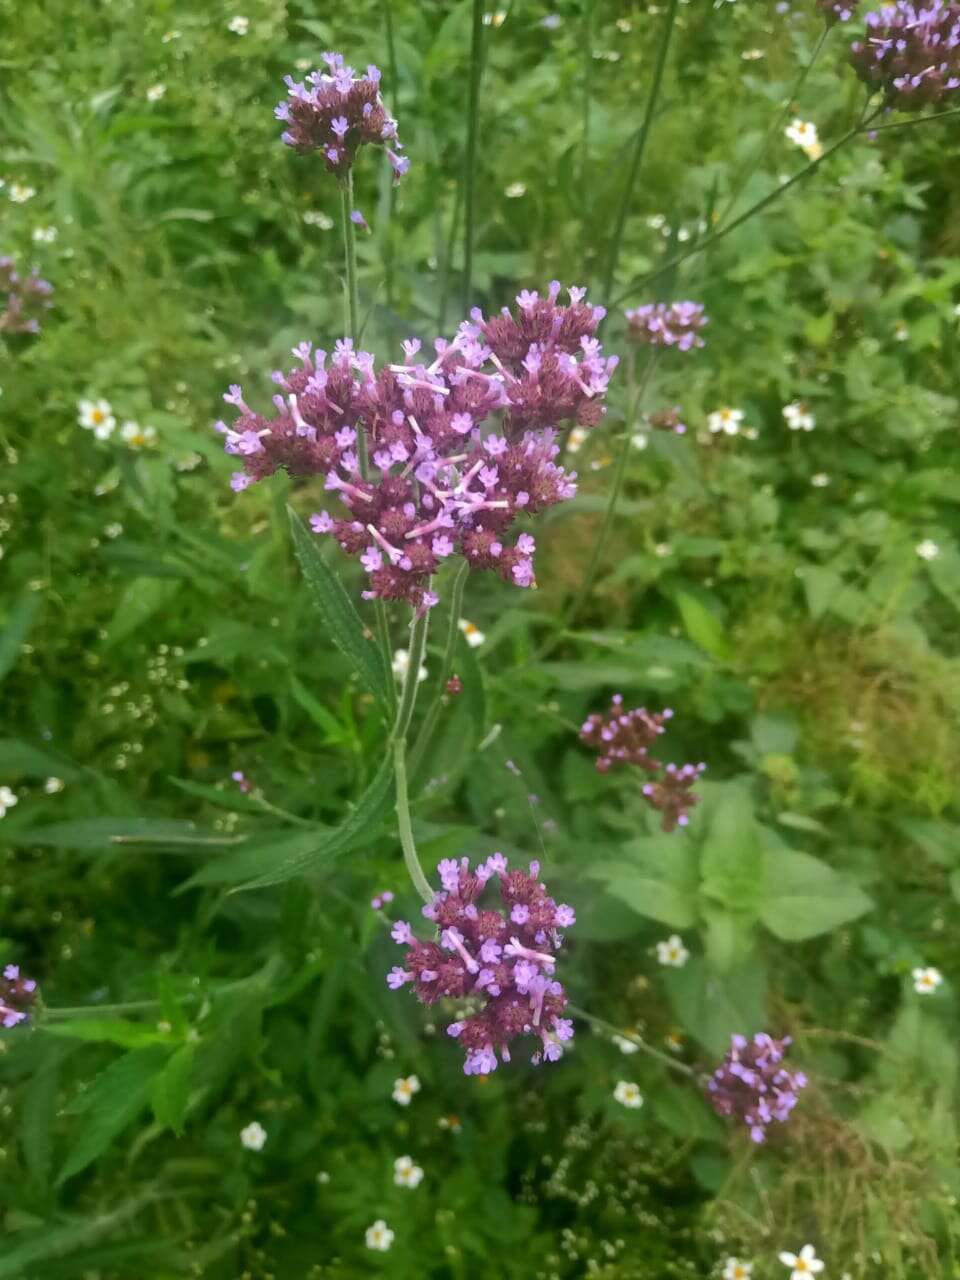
398 739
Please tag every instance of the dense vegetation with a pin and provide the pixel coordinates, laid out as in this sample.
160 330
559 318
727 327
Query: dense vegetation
195 813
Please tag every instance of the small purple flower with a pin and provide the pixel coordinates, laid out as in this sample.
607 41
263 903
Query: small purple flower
659 324
358 220
27 298
911 53
837 10
751 1085
17 994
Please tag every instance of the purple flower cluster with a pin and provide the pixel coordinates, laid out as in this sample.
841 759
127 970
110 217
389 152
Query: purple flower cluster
837 10
503 956
336 113
661 324
625 737
28 297
438 485
911 53
17 994
751 1084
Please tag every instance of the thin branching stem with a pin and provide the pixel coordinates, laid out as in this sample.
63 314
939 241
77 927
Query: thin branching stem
398 739
777 125
470 158
394 89
640 147
586 52
616 489
861 126
664 1059
453 628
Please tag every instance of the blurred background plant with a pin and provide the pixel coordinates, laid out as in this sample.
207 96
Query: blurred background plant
791 590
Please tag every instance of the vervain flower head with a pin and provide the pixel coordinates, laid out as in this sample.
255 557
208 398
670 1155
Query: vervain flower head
661 324
911 53
336 112
444 478
837 10
625 737
502 955
17 994
24 298
752 1085
668 420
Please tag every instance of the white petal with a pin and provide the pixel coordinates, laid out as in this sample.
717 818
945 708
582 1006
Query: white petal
788 1259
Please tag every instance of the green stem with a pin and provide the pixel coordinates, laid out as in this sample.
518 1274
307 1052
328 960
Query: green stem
905 124
760 205
663 1058
778 123
470 160
395 86
453 627
353 321
586 72
398 739
640 146
611 511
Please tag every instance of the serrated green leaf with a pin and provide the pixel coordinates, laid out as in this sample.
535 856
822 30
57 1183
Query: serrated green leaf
803 897
713 1007
702 626
112 1101
341 620
730 858
129 1035
170 1089
657 877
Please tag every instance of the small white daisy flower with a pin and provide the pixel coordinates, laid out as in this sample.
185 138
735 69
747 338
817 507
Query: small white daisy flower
639 440
97 416
624 1045
379 1236
400 664
926 981
113 530
20 193
726 420
515 190
406 1173
804 1264
576 439
170 35
804 134
672 952
900 331
472 634
737 1270
628 1095
138 437
663 549
239 25
253 1136
820 480
314 218
404 1089
798 416
44 235
156 92
7 801
53 785
927 549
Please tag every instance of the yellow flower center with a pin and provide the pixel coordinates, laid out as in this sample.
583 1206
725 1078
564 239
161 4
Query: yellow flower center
98 415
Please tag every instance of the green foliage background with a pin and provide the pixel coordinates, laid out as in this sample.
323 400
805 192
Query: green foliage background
158 636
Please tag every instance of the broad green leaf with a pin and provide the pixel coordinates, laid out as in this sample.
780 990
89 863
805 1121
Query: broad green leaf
730 858
341 620
713 1007
142 598
729 938
170 1090
702 626
17 628
115 1098
803 897
657 877
686 1113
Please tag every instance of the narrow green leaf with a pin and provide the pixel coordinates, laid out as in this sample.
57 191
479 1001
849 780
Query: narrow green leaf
115 1098
22 757
170 1090
340 617
141 599
703 627
62 1240
231 798
16 629
104 833
129 1035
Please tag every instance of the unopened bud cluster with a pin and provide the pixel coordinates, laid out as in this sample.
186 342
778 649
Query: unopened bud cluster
17 994
26 298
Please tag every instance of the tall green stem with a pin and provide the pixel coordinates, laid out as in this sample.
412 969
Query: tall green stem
615 491
398 739
470 159
353 322
395 90
640 147
632 1036
453 627
775 128
585 105
760 205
